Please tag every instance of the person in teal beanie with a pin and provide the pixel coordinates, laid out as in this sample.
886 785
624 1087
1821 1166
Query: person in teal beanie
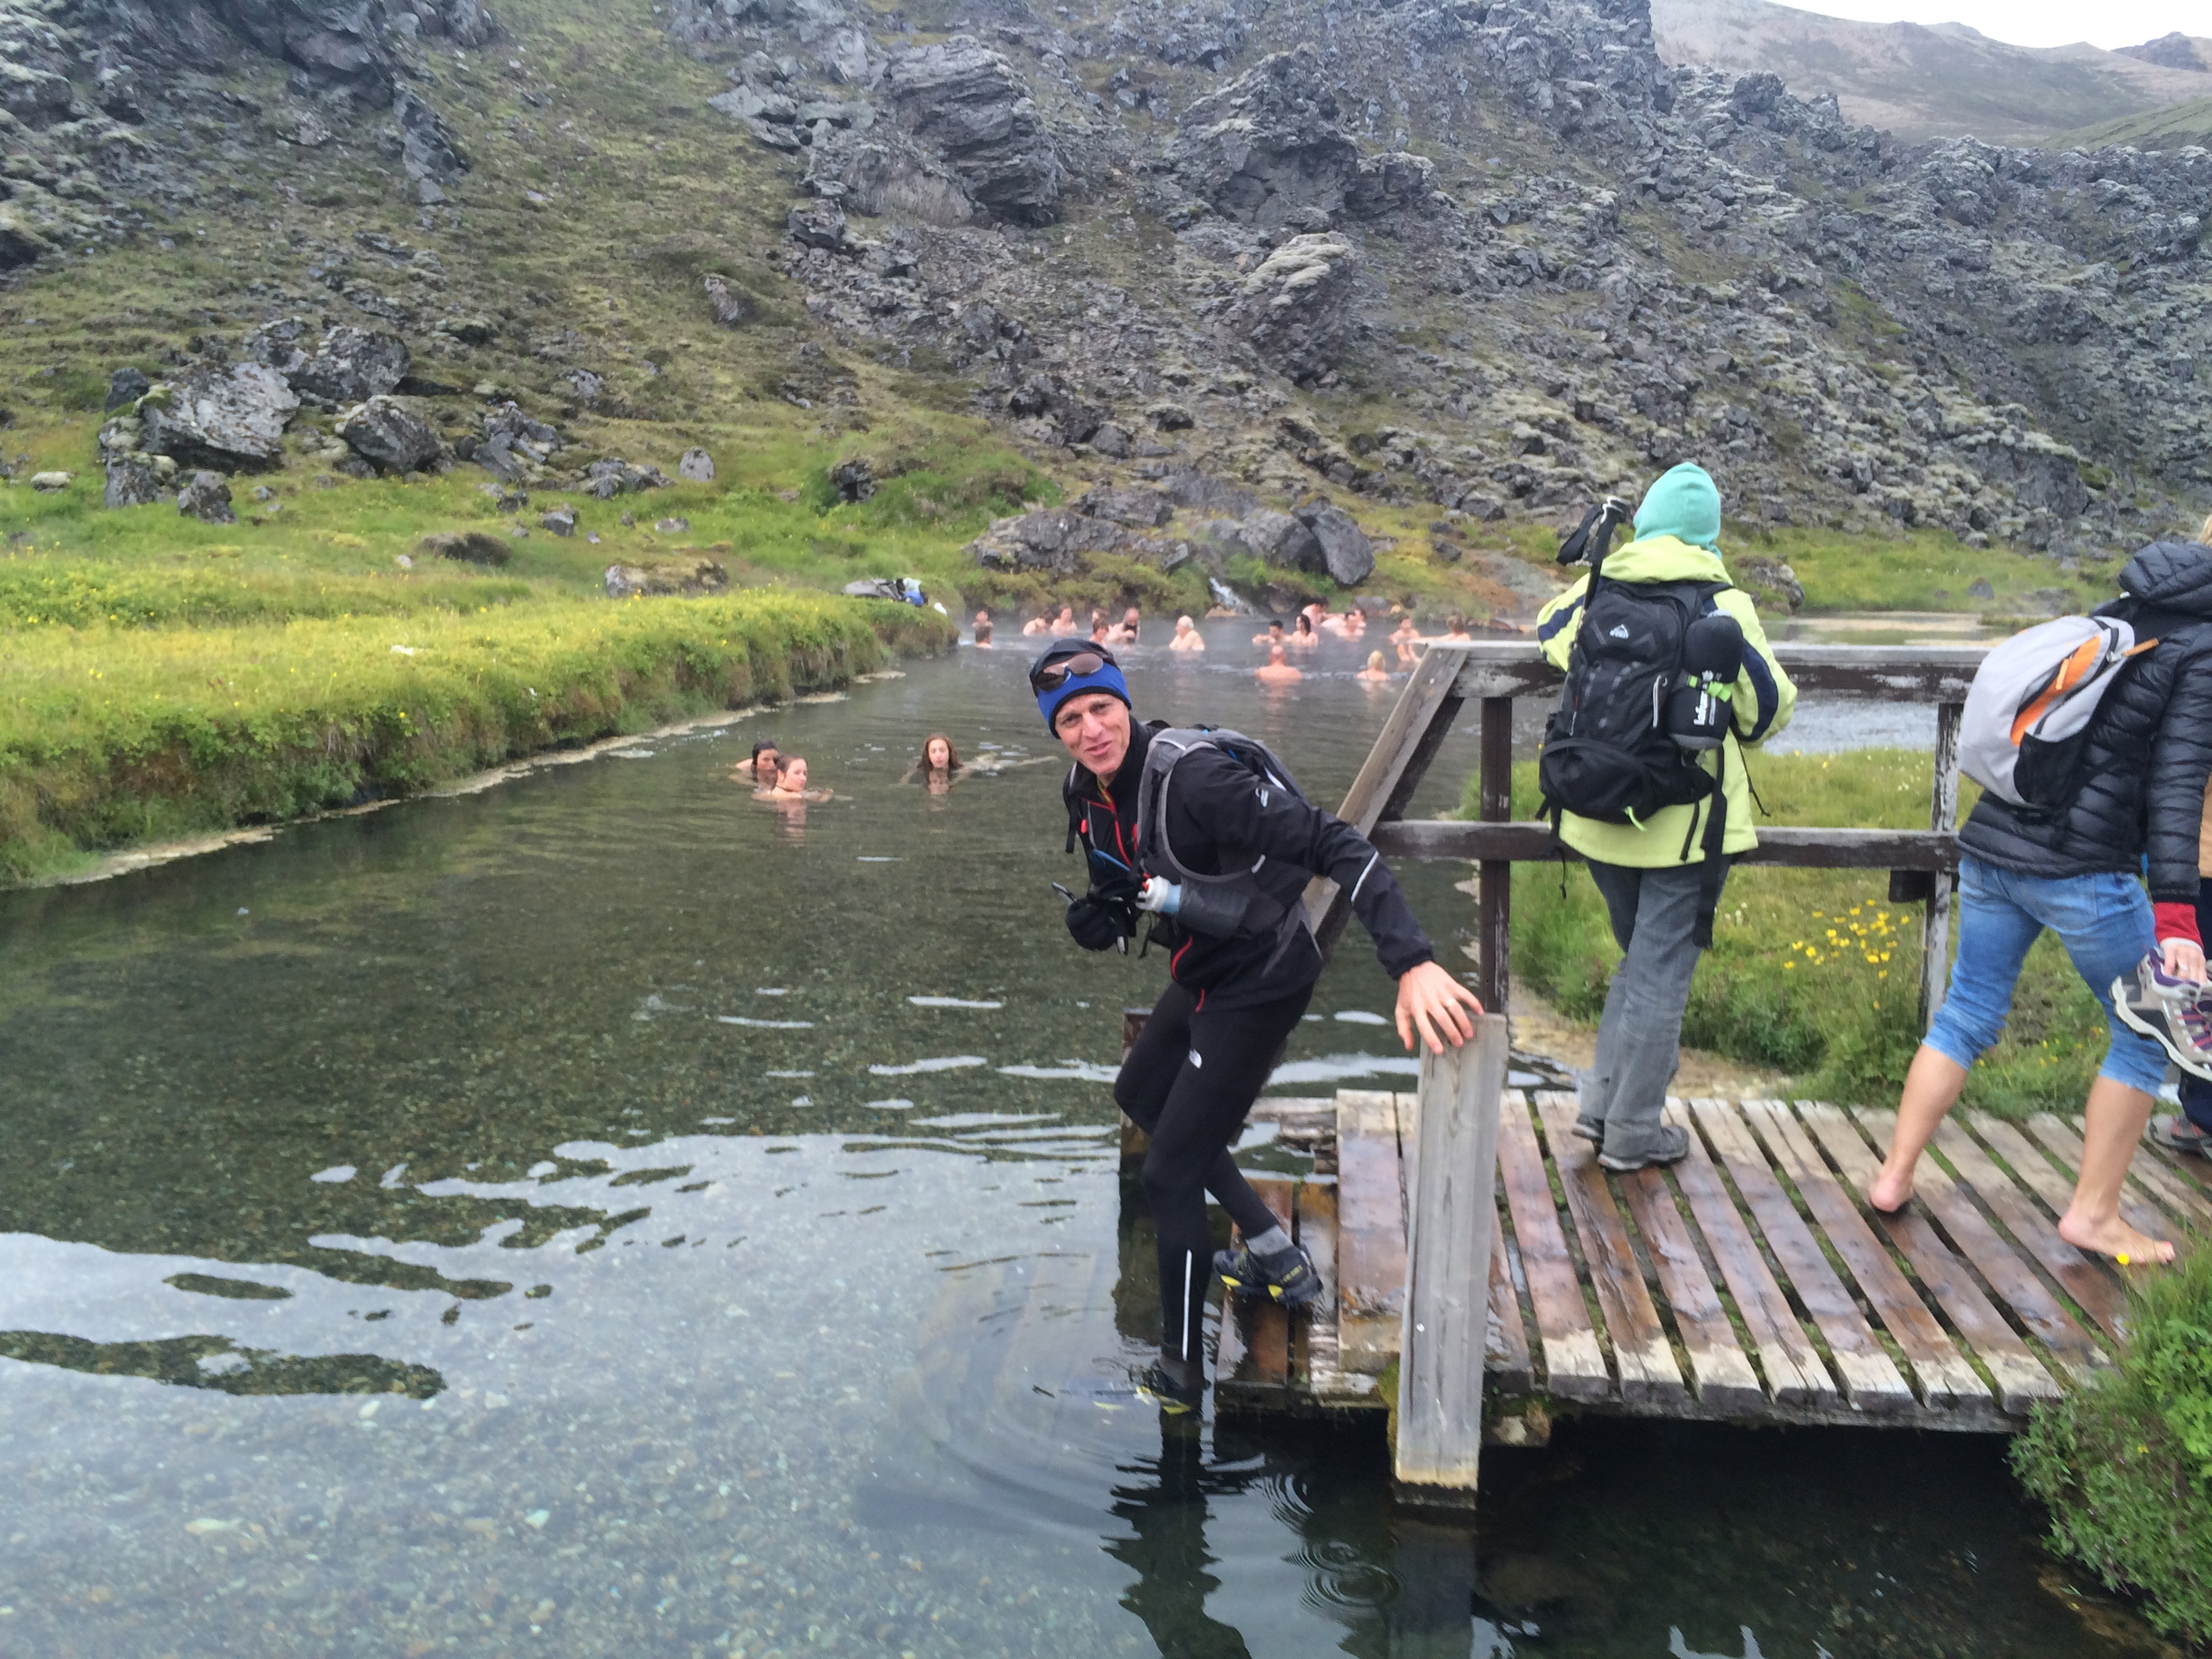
1651 870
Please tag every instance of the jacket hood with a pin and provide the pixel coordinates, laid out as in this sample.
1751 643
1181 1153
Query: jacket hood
1664 558
1683 502
2173 575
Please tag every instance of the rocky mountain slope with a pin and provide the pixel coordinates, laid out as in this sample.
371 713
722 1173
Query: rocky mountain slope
1492 256
1946 81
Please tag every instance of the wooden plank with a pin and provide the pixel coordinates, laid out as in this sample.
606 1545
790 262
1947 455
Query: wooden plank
1722 1377
1261 1327
1943 817
1444 1332
1642 1352
2020 1377
1795 1373
1507 1358
2092 1286
2017 1284
1393 768
1874 673
1574 1364
1370 1231
2146 1174
1314 1337
1529 841
1870 1380
1946 1379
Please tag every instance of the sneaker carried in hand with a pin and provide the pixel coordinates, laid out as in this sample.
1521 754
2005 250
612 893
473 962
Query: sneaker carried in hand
1287 1277
2173 1013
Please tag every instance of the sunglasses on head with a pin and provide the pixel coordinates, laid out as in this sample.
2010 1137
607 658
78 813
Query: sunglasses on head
1057 673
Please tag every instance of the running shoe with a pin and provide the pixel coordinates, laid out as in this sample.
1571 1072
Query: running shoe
1671 1147
1287 1277
2175 1133
1174 1398
2172 1013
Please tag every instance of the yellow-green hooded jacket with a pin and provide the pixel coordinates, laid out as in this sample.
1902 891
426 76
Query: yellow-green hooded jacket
1763 704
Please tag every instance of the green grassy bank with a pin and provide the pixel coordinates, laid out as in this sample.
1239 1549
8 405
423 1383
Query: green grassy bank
1813 972
2125 1463
112 734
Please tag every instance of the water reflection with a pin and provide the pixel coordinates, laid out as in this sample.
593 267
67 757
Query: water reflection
600 1215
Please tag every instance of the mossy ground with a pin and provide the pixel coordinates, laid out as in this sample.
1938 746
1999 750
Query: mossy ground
1813 972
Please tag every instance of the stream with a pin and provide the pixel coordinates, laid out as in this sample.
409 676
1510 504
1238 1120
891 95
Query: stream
605 1214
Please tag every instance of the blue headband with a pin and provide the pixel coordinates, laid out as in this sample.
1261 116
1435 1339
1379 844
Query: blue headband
1108 678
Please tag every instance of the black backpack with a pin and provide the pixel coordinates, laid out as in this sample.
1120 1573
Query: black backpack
1607 754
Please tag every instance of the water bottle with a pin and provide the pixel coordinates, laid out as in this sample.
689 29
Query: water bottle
1699 707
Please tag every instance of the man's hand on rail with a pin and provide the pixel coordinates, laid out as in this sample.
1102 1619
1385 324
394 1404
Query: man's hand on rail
1436 1005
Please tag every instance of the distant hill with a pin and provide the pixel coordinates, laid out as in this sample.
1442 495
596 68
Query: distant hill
1944 82
2169 128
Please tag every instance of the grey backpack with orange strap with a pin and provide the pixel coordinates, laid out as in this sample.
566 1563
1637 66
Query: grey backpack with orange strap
2029 711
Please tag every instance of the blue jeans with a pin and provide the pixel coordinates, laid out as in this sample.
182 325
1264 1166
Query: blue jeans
2104 921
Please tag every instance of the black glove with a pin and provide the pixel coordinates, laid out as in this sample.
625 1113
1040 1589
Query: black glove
1097 919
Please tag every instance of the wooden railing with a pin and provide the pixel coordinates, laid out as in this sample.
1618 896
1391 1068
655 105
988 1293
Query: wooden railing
1923 863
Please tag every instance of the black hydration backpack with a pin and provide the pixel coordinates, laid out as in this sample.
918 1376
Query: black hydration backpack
1608 755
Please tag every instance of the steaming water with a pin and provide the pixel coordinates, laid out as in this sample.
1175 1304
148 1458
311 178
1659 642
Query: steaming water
608 1214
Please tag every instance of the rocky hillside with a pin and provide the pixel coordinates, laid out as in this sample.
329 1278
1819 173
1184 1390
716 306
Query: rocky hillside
1944 82
1491 256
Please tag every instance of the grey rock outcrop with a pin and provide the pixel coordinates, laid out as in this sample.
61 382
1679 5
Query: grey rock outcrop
1278 539
1137 509
429 154
350 363
560 520
671 579
137 479
964 101
126 386
1294 307
473 546
231 420
389 435
1347 555
696 466
207 498
513 446
726 302
614 476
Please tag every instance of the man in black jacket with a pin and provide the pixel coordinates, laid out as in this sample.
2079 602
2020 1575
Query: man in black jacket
1234 994
2138 799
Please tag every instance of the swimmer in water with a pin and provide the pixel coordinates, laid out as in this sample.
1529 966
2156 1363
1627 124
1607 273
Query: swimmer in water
983 630
1131 622
1404 637
938 760
1102 629
791 784
1273 636
1456 629
1188 638
1354 622
763 766
1277 672
1374 673
1060 624
1303 633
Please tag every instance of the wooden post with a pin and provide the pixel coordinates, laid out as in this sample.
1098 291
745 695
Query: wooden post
1415 727
1943 814
1494 984
1134 1142
1445 1328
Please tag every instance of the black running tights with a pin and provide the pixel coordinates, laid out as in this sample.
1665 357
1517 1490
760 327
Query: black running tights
1188 1083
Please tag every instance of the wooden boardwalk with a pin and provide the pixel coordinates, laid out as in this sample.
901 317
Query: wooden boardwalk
1751 1283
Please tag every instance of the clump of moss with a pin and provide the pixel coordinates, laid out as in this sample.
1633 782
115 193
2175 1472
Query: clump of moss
2125 1463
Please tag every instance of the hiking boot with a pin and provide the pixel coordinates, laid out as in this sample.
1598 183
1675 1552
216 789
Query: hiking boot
2177 1134
1671 1145
1174 1398
1591 1129
2171 1012
1287 1277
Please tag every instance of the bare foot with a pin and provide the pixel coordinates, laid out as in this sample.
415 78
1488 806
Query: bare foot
1888 1192
2115 1238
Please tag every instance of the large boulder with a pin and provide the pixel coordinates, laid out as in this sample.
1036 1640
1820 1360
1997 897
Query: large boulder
513 444
354 364
1278 539
1345 552
389 435
1295 306
669 579
230 419
615 476
965 101
136 479
1267 149
207 498
426 151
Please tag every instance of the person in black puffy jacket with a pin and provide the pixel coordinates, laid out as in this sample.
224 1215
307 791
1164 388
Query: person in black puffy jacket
1232 1000
2138 799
